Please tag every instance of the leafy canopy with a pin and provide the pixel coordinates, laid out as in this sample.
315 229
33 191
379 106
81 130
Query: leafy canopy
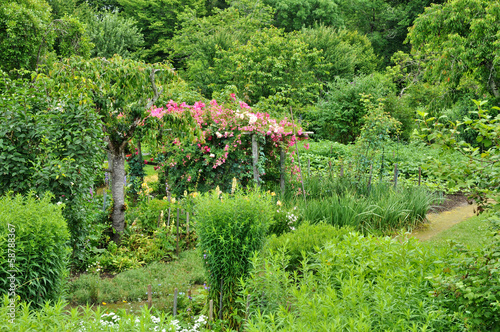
456 49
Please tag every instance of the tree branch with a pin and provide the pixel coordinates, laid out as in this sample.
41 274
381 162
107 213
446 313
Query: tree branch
155 89
44 40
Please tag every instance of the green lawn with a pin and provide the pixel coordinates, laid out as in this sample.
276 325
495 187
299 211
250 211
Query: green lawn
472 232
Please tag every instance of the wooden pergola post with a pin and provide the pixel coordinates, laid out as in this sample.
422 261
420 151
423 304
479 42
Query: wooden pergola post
282 170
255 158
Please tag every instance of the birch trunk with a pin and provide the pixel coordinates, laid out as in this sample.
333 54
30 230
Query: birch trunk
118 192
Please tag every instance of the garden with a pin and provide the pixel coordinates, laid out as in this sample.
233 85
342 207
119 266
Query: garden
252 171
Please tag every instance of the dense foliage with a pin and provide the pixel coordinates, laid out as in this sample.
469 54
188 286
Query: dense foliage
294 15
353 283
472 285
29 37
480 173
81 79
304 241
50 144
113 34
33 248
158 19
231 227
57 317
340 115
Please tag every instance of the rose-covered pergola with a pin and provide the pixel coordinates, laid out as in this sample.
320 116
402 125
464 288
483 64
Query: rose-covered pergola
234 142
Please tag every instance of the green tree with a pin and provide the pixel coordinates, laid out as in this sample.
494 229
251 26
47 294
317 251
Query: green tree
195 45
22 27
339 116
30 37
113 34
101 5
61 8
296 14
158 20
384 22
346 53
50 141
457 45
123 92
270 63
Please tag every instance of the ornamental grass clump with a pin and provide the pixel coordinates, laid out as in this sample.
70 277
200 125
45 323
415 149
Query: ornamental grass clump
231 227
34 250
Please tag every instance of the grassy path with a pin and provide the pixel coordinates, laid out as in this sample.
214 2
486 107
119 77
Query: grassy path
439 222
459 224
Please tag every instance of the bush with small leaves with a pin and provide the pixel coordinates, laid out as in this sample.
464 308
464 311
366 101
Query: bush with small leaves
306 240
471 285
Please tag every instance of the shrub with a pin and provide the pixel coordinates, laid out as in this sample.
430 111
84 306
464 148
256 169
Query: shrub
51 144
356 283
150 236
230 228
147 214
306 240
284 219
38 247
340 115
471 286
346 53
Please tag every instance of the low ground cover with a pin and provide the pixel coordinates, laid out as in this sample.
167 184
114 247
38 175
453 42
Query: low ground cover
472 233
352 283
327 158
132 285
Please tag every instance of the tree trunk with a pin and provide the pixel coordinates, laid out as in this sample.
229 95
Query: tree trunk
494 88
118 192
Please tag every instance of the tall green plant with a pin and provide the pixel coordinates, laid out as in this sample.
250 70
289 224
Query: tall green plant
33 248
354 283
375 133
340 115
230 229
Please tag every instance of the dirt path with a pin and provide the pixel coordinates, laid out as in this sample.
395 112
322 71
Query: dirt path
441 221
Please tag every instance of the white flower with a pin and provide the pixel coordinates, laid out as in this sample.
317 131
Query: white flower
252 120
212 155
219 135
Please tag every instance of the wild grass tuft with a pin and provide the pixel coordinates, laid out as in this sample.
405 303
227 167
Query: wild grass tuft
376 208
